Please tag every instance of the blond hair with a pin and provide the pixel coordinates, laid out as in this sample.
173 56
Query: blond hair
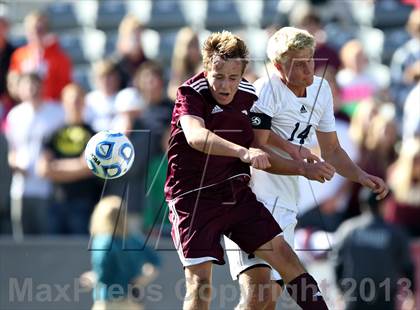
181 64
129 24
33 17
108 217
401 180
286 40
225 45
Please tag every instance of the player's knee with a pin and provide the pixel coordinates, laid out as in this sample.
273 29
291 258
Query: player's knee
283 250
199 284
255 296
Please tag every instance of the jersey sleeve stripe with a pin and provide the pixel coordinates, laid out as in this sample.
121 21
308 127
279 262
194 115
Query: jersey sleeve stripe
247 86
198 82
199 85
248 90
246 83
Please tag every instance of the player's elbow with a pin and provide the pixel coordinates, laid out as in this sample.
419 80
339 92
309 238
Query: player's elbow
330 152
196 142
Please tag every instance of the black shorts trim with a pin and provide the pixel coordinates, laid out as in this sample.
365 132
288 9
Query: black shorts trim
254 266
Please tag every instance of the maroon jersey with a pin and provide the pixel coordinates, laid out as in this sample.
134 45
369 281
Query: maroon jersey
190 170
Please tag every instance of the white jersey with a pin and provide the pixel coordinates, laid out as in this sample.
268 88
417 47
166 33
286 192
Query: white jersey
289 119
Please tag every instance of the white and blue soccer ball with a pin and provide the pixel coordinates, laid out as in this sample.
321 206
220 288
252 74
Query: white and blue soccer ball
109 154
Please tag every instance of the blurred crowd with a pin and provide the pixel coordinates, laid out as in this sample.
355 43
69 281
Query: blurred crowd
47 118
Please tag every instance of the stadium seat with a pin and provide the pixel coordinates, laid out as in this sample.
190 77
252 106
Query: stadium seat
166 14
337 36
222 14
78 45
390 13
271 15
82 76
393 39
61 15
72 44
166 46
372 40
110 14
111 43
17 41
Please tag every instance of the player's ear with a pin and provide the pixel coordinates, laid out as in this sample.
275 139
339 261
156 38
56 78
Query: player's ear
278 67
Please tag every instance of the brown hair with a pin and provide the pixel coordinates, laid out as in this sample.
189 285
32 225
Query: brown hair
104 67
225 45
150 66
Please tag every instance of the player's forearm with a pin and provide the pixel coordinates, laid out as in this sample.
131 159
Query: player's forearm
280 165
208 142
343 164
67 170
278 142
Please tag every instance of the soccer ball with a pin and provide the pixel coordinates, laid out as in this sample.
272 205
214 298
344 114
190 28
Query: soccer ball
109 154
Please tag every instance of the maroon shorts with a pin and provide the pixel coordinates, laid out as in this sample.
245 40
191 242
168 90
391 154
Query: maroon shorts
199 219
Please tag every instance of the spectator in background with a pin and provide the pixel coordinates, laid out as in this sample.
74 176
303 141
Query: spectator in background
128 105
379 148
362 242
5 179
306 17
156 219
100 102
119 258
44 56
62 162
405 64
130 54
354 80
6 51
157 111
360 121
186 59
377 140
404 179
147 130
28 124
411 117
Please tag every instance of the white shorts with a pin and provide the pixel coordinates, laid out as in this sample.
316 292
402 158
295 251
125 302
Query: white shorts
239 261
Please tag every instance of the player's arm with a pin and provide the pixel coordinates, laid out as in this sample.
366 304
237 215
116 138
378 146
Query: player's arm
262 122
279 165
62 170
333 153
295 151
203 140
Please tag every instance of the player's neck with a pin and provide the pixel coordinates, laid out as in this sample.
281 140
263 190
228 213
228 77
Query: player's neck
299 91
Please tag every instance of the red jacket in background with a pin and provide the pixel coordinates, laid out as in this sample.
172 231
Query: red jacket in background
52 64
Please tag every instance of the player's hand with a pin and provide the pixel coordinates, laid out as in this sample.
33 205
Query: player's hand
319 171
301 153
377 185
257 158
